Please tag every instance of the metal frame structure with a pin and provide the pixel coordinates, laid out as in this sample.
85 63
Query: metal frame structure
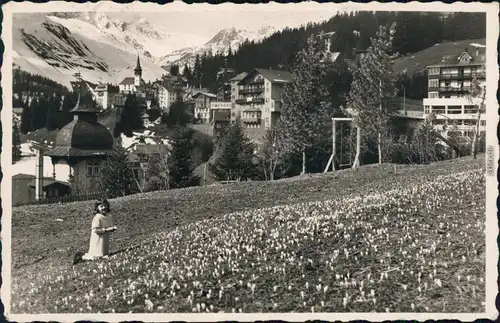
40 150
331 161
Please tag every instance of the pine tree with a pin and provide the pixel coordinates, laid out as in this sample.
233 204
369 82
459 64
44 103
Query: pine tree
68 104
373 91
34 113
16 143
117 175
180 163
174 70
52 113
233 158
178 114
130 119
306 109
197 71
26 118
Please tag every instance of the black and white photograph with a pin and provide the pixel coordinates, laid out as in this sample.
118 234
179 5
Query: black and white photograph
249 161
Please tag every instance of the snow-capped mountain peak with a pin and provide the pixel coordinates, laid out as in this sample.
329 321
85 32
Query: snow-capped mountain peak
220 42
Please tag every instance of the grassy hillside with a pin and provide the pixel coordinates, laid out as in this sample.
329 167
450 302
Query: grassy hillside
418 61
317 242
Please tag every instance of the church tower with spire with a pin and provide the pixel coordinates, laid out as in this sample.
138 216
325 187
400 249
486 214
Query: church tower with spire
137 73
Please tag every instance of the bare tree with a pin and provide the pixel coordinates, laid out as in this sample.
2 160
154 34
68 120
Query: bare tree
477 91
269 154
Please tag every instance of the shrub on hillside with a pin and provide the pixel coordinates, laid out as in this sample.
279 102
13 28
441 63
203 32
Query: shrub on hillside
154 114
117 175
180 163
234 157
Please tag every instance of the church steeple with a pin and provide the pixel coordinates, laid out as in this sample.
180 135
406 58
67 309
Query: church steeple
138 69
137 72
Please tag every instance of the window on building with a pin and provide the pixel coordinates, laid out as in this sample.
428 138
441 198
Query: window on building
433 83
93 168
470 109
434 71
438 109
433 95
454 109
427 109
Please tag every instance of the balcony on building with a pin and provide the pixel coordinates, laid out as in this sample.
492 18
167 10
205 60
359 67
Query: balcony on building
251 116
251 89
450 89
461 75
249 99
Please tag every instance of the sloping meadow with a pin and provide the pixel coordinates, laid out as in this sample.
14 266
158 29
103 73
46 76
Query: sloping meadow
404 240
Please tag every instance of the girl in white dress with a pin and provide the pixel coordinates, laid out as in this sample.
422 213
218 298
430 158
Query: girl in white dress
102 227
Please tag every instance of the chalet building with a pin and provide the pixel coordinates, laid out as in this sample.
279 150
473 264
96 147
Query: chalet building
221 110
23 188
449 92
165 97
235 93
103 95
224 76
202 102
221 119
133 84
83 144
259 101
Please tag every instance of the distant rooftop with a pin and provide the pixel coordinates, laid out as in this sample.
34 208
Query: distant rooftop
130 81
239 77
274 76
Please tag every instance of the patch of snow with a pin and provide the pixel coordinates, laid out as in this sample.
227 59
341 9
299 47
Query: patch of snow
26 150
478 45
27 165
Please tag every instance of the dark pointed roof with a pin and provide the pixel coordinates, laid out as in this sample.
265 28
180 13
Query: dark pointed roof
138 65
84 108
84 136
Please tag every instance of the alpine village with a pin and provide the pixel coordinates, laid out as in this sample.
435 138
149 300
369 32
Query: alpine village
333 166
261 112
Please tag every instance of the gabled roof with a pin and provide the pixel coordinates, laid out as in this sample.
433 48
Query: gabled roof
477 55
239 77
274 76
210 95
23 176
101 87
47 181
130 81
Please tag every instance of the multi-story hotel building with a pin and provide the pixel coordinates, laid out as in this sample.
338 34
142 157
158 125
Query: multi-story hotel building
202 102
449 92
258 102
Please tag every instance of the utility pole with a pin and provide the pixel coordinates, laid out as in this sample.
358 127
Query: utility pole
379 133
404 99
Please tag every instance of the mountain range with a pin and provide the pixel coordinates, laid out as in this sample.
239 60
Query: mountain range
102 49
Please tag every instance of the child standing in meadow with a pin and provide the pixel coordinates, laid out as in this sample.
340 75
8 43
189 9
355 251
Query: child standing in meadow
102 227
